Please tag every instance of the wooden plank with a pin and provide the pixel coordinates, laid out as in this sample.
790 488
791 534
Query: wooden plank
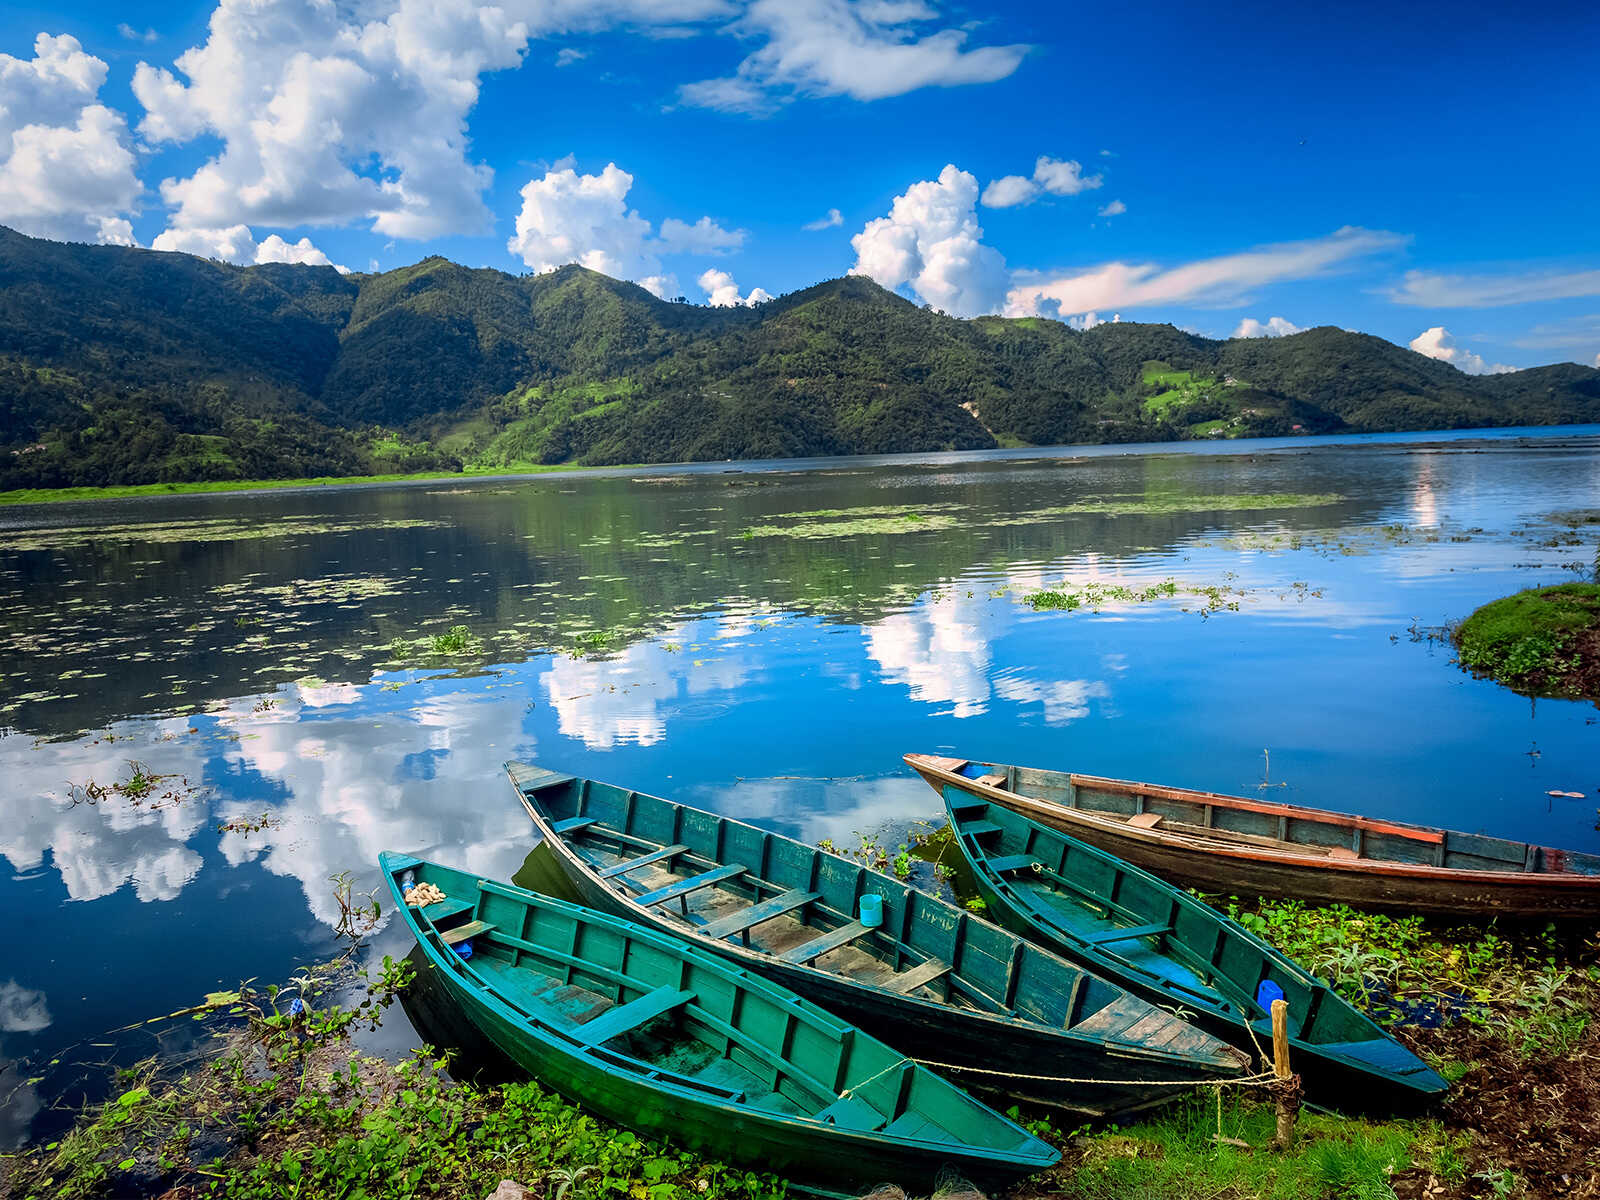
1004 864
994 781
979 829
820 945
848 1112
573 823
535 779
1122 935
693 883
1146 820
919 976
644 860
617 1021
461 933
739 922
444 909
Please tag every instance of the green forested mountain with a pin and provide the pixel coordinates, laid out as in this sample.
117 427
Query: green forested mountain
121 365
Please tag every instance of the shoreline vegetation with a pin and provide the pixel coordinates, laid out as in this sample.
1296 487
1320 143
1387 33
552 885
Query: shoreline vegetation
287 1105
1544 641
66 495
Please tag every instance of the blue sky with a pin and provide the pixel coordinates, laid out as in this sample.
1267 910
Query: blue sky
1423 173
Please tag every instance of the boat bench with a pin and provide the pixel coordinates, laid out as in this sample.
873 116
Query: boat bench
682 888
1004 864
1123 934
978 829
821 944
919 976
572 824
615 1022
745 919
849 1113
644 860
454 937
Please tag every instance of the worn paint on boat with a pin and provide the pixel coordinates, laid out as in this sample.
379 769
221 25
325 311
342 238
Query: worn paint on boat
1239 846
1173 949
650 1032
996 1012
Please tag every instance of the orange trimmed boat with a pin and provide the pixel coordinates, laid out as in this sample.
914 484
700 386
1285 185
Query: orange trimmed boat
1239 846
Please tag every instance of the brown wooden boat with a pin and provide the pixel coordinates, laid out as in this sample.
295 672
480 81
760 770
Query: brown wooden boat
1234 845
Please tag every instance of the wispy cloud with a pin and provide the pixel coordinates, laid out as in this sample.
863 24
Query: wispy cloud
1557 335
831 48
1221 281
1115 209
137 35
1427 289
834 217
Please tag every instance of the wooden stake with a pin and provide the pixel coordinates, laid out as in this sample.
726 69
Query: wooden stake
1287 1087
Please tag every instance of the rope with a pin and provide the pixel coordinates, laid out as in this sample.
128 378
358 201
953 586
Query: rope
1260 1079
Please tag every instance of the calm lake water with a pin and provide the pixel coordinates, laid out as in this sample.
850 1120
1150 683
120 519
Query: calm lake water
766 641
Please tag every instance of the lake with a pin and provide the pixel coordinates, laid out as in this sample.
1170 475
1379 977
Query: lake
211 705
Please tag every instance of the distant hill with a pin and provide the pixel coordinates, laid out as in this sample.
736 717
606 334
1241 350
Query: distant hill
121 365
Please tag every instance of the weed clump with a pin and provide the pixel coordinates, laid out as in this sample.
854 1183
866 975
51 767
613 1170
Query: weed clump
1541 642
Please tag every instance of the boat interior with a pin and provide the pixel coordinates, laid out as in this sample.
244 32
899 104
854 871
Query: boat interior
1158 932
641 1009
1209 817
727 880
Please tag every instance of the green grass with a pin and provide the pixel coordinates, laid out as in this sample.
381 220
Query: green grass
1534 641
62 495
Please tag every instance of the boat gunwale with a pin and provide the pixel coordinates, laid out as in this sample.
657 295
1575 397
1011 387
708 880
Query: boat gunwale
430 939
1002 1021
1573 880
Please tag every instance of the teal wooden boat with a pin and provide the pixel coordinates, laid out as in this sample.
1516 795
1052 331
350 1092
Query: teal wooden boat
999 1014
652 1033
1171 948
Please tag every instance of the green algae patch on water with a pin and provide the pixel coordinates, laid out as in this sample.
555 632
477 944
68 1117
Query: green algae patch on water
1541 642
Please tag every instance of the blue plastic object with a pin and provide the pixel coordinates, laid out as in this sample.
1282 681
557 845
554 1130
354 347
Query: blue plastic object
465 950
1267 993
297 1007
871 910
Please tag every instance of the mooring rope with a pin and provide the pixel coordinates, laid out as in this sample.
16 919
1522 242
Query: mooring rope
1259 1079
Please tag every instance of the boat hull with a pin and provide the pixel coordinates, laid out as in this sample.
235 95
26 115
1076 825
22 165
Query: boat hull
825 1157
1250 870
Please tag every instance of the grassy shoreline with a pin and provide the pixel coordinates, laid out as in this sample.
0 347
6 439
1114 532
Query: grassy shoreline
135 490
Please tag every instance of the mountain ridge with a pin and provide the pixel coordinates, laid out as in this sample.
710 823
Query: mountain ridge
120 365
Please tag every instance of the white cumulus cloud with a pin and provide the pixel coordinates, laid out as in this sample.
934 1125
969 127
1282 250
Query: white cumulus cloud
66 170
1272 327
333 114
1225 279
1437 343
833 217
722 292
236 244
567 217
1051 176
1115 209
864 49
931 241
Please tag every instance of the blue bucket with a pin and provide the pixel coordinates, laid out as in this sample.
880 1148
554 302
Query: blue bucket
872 910
1266 994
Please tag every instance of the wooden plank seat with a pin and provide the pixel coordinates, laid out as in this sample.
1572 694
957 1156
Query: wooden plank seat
740 922
644 860
979 829
994 781
1006 863
1343 852
920 975
849 1113
572 824
1125 933
821 944
454 937
445 909
536 779
683 887
615 1022
1146 820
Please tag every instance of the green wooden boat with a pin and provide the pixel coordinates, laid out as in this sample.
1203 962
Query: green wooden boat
652 1033
1171 948
996 1012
